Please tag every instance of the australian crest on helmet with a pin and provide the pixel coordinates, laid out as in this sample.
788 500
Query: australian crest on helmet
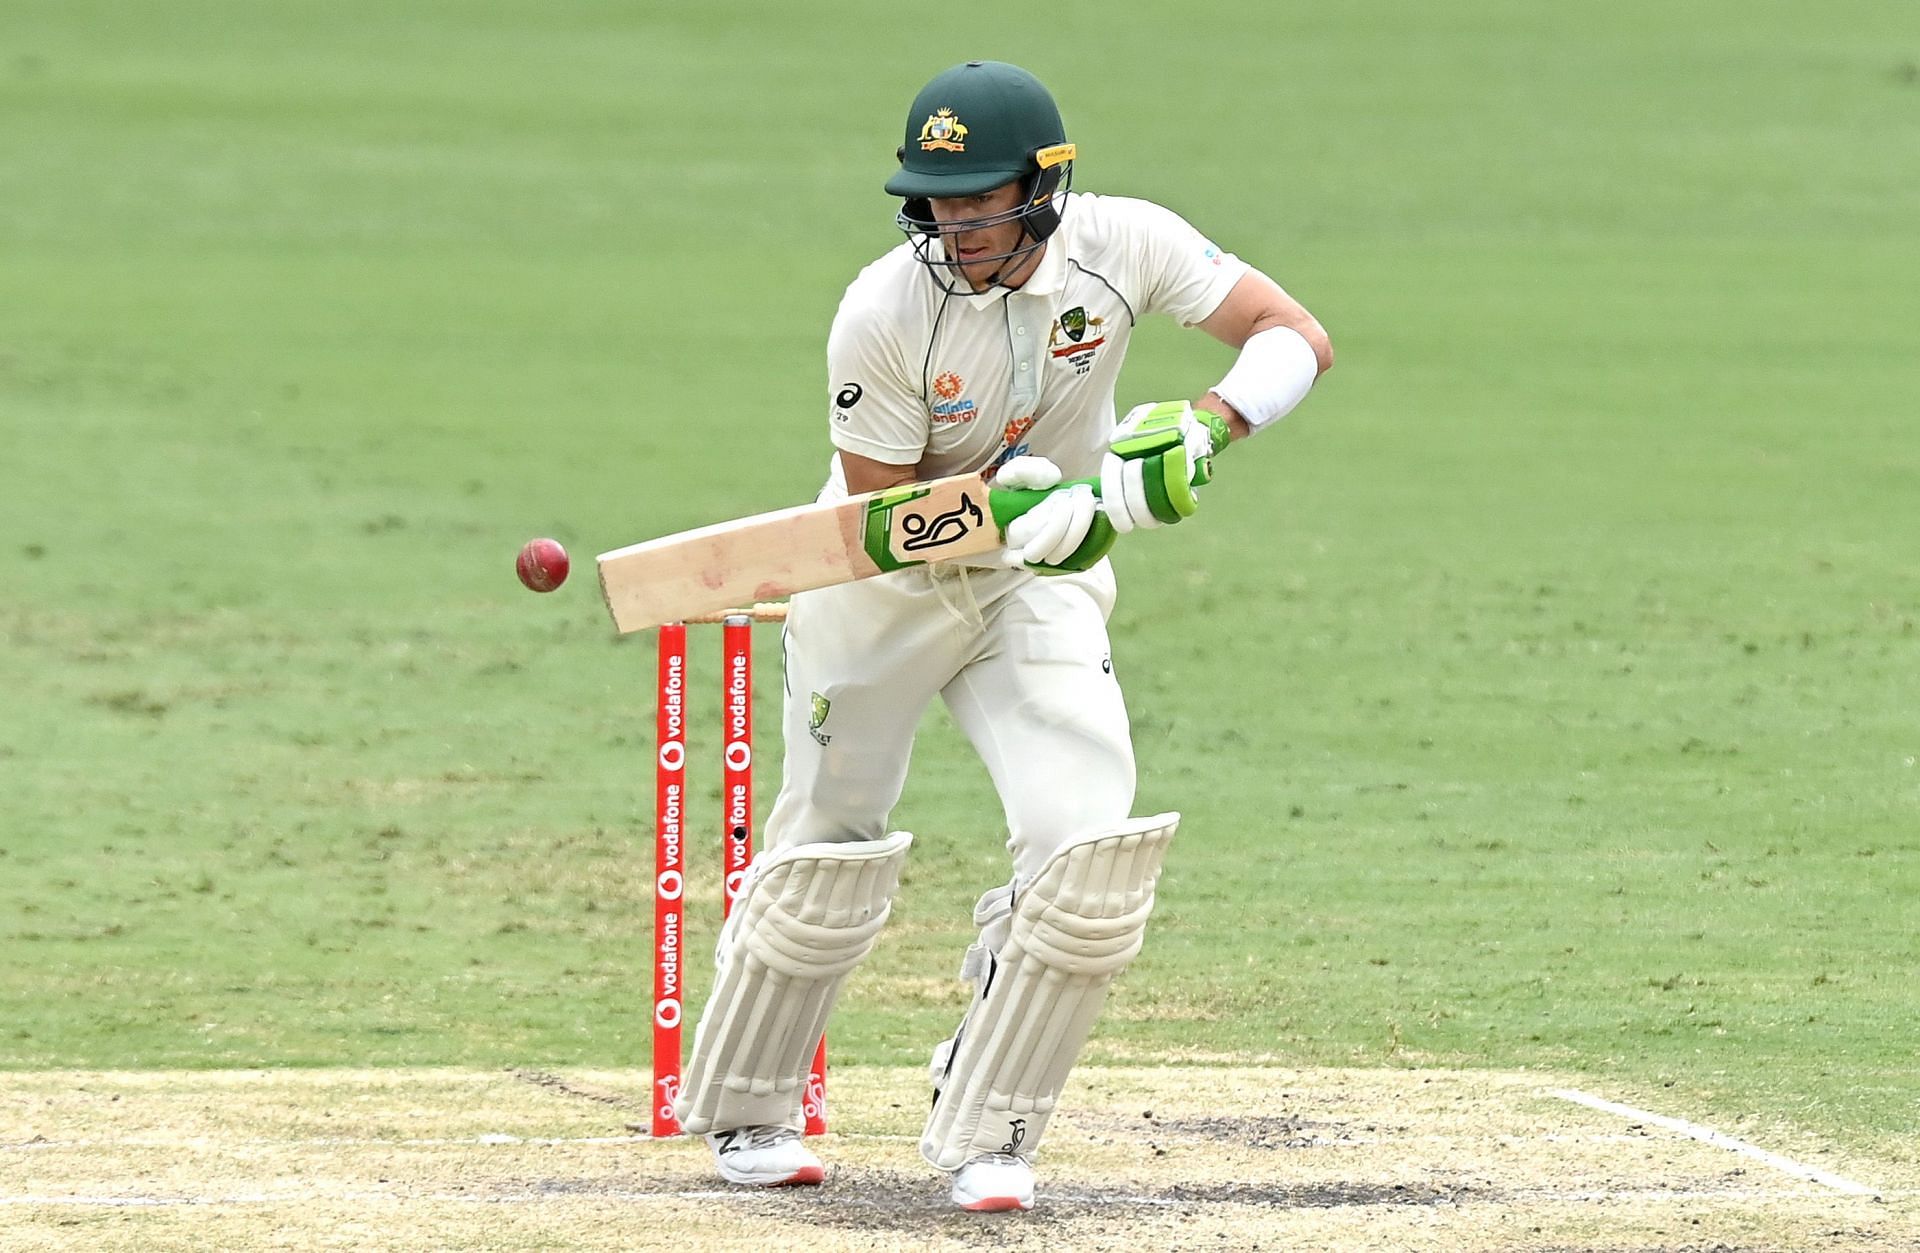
943 132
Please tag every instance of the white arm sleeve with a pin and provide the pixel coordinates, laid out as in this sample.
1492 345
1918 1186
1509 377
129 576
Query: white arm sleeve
1275 368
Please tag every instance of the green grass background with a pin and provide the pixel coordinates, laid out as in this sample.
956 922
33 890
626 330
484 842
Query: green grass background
1543 693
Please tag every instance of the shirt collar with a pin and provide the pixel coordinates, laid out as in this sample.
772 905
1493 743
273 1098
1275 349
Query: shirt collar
1048 278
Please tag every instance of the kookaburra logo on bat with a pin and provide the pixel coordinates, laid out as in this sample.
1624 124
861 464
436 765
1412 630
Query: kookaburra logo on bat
944 528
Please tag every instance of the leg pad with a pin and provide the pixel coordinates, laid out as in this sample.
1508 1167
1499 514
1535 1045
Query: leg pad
808 915
1076 926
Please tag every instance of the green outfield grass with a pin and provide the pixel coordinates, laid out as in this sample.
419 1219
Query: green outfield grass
1545 693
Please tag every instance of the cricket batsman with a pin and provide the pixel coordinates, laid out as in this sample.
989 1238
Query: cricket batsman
991 338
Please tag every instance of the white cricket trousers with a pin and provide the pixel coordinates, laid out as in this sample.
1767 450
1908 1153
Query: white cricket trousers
1021 660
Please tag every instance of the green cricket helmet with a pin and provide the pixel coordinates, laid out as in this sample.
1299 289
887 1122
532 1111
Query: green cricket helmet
974 128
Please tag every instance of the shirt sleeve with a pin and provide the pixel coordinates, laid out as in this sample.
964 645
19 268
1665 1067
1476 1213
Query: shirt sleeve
876 409
1182 273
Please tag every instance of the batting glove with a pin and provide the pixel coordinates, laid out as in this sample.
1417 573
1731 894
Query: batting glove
1064 533
1156 457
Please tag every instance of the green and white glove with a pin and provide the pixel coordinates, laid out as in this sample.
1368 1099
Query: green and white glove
1063 534
1156 457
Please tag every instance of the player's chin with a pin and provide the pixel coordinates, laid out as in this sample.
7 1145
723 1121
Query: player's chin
979 274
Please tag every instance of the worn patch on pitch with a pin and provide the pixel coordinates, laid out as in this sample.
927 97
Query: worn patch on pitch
1192 1158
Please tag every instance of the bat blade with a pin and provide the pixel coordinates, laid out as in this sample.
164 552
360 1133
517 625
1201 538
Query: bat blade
771 555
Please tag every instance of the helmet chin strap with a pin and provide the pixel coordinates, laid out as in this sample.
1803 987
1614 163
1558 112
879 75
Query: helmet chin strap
1038 215
1018 258
1008 261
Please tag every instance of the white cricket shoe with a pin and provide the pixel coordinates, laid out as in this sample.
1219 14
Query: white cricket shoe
994 1182
764 1157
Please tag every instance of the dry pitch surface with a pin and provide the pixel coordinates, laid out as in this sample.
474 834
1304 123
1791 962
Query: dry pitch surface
1190 1158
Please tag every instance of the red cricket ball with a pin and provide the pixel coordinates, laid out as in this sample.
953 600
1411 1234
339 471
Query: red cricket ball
542 564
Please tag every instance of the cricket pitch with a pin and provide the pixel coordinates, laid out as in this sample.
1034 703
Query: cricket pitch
1167 1158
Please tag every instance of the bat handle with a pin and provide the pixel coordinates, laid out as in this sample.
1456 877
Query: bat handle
1008 503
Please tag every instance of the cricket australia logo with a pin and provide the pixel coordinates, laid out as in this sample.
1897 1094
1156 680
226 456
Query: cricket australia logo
817 718
943 132
1068 341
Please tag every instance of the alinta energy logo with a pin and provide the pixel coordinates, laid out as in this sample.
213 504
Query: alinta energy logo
952 408
1013 441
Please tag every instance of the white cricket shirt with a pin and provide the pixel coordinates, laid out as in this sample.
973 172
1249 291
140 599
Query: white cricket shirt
956 383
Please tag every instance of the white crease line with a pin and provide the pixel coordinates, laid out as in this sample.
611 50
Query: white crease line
513 1198
319 1142
1719 1139
738 1197
43 1144
124 1202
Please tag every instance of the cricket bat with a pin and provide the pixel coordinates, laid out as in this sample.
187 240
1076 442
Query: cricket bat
771 555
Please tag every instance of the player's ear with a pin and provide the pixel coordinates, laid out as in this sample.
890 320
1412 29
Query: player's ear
900 154
918 215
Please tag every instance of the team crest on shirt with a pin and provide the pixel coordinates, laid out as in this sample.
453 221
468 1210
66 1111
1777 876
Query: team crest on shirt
1068 339
943 132
952 408
817 713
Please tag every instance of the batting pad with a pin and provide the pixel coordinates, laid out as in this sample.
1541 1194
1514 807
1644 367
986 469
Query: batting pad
808 916
1076 926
